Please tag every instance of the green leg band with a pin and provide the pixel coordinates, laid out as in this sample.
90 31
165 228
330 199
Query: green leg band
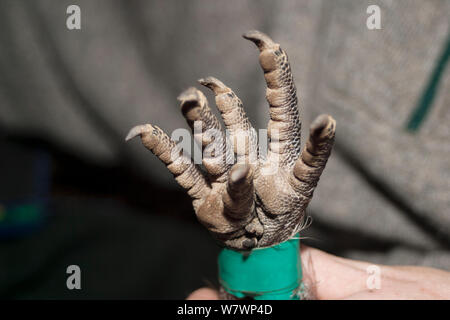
273 273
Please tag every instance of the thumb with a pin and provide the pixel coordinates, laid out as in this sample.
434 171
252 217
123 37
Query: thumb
204 294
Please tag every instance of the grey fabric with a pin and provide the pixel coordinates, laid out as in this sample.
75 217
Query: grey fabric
84 89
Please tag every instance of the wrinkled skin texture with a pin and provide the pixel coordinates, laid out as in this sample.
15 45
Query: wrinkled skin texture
250 201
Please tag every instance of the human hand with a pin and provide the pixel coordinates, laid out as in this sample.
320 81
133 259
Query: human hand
328 277
244 200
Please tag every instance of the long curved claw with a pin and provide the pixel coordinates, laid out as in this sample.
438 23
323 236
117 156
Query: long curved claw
284 127
135 131
187 174
214 84
261 40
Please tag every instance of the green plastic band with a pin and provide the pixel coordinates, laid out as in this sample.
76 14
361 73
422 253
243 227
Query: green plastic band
273 273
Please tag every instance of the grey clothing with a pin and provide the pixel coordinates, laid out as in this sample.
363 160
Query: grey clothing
84 89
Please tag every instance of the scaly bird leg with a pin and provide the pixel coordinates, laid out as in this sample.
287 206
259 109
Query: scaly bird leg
243 205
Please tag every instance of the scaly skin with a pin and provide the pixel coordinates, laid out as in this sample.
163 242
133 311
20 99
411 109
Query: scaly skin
254 202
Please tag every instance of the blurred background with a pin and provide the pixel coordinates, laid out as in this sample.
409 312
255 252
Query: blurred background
73 193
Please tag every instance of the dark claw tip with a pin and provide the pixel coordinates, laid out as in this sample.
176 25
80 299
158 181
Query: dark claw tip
214 84
261 40
320 123
137 131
